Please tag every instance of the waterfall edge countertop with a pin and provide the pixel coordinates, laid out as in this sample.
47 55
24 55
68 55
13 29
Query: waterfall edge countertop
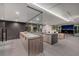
29 35
33 43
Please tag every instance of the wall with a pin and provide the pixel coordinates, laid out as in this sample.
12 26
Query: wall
1 25
13 29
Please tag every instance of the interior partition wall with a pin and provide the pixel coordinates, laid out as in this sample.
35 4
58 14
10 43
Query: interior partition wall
14 29
10 30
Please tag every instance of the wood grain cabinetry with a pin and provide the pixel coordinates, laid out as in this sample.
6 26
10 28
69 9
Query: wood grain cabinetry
33 46
61 36
50 38
47 38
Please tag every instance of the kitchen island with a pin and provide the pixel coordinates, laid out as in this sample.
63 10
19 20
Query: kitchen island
50 38
32 43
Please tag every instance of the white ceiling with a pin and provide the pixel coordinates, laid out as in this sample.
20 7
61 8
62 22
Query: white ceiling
65 11
61 12
8 12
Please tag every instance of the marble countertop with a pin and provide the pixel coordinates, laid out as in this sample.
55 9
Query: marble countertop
30 35
50 33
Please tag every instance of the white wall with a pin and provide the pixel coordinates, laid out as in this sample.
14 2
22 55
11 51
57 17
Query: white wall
2 11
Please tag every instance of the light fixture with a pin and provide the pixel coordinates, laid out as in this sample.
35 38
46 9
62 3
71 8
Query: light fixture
75 16
37 19
17 13
15 24
31 21
16 20
2 17
65 19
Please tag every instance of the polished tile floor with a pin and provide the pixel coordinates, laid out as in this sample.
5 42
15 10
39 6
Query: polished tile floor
65 47
12 48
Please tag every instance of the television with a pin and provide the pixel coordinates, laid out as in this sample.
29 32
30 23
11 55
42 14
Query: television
67 27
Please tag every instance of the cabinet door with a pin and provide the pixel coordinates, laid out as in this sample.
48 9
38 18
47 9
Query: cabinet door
49 39
45 38
35 46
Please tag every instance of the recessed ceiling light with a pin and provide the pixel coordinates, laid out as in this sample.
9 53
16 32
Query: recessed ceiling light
65 19
37 19
31 21
2 17
16 20
17 13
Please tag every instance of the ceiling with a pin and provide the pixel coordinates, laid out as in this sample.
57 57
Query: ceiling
53 13
61 12
16 12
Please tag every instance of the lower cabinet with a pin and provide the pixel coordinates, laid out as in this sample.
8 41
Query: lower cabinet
33 46
50 38
47 38
54 38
